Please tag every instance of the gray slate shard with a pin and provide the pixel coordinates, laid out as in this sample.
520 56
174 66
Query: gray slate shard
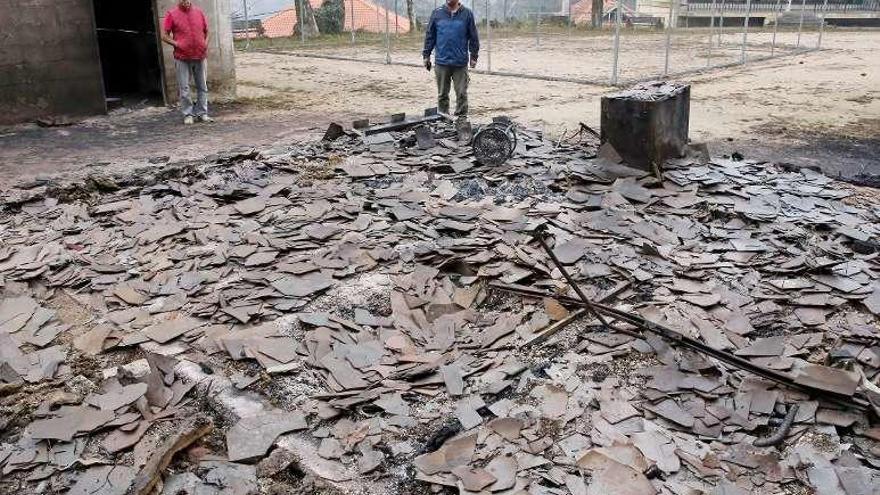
253 436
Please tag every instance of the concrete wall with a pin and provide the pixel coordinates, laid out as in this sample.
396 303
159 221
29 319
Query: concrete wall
48 60
221 56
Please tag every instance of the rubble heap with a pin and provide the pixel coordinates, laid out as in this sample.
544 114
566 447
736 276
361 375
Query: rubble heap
380 316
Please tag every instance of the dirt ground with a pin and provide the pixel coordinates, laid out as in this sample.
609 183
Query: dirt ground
819 108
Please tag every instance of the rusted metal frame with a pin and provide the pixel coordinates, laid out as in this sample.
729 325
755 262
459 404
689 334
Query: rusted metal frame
693 344
540 234
405 124
554 328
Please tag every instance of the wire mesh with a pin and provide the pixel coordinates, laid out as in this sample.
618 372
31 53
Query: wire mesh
591 41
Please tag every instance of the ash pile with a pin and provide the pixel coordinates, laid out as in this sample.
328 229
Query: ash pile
376 315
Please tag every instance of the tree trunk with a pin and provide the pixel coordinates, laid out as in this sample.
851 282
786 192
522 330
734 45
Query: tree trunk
411 16
305 22
597 13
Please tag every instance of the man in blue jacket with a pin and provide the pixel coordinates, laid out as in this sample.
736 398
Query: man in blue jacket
453 32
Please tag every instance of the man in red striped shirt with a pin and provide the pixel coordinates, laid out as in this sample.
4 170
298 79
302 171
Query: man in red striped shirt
186 29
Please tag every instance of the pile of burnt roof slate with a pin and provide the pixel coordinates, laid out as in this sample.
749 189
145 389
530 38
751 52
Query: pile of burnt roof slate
389 305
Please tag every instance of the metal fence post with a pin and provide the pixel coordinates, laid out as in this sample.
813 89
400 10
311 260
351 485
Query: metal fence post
387 34
746 29
711 34
351 20
822 25
247 26
302 22
668 39
379 18
538 19
569 17
721 24
775 28
616 51
801 23
687 14
488 37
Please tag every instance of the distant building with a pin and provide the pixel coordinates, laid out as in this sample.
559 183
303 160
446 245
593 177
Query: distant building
368 17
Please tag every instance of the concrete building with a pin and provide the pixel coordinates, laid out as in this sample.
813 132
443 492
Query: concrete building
69 57
704 13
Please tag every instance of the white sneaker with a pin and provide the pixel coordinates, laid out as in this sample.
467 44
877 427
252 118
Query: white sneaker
205 119
188 120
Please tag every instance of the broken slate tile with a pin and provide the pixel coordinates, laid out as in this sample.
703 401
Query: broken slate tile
670 410
253 436
474 480
504 469
171 328
304 285
250 206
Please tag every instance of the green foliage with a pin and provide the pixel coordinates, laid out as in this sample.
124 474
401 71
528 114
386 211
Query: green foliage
330 17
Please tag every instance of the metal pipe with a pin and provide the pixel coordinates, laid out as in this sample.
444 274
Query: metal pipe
488 38
538 20
822 26
302 22
668 39
711 33
687 13
518 75
247 26
746 29
351 21
396 21
775 28
782 432
616 50
569 17
387 34
721 24
801 24
539 235
682 340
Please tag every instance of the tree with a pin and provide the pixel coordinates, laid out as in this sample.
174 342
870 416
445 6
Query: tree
597 13
411 15
330 17
305 21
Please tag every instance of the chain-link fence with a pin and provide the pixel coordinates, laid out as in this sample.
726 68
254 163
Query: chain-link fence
589 41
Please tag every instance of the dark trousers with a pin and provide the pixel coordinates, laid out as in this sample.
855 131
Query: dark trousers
449 76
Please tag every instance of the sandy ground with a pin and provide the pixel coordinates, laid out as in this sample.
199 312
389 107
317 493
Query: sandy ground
818 108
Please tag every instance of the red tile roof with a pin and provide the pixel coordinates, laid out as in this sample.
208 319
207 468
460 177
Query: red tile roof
368 17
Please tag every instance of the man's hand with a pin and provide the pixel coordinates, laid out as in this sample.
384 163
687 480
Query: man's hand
428 64
473 63
166 37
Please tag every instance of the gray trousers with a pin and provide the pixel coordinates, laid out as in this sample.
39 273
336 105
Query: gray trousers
195 69
458 77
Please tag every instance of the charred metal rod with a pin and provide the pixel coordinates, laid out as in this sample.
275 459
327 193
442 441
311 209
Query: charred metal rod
691 343
539 235
782 432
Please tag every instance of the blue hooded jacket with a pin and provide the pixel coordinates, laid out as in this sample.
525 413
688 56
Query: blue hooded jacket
453 35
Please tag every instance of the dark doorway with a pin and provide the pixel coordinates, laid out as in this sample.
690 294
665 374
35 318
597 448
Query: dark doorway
129 48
